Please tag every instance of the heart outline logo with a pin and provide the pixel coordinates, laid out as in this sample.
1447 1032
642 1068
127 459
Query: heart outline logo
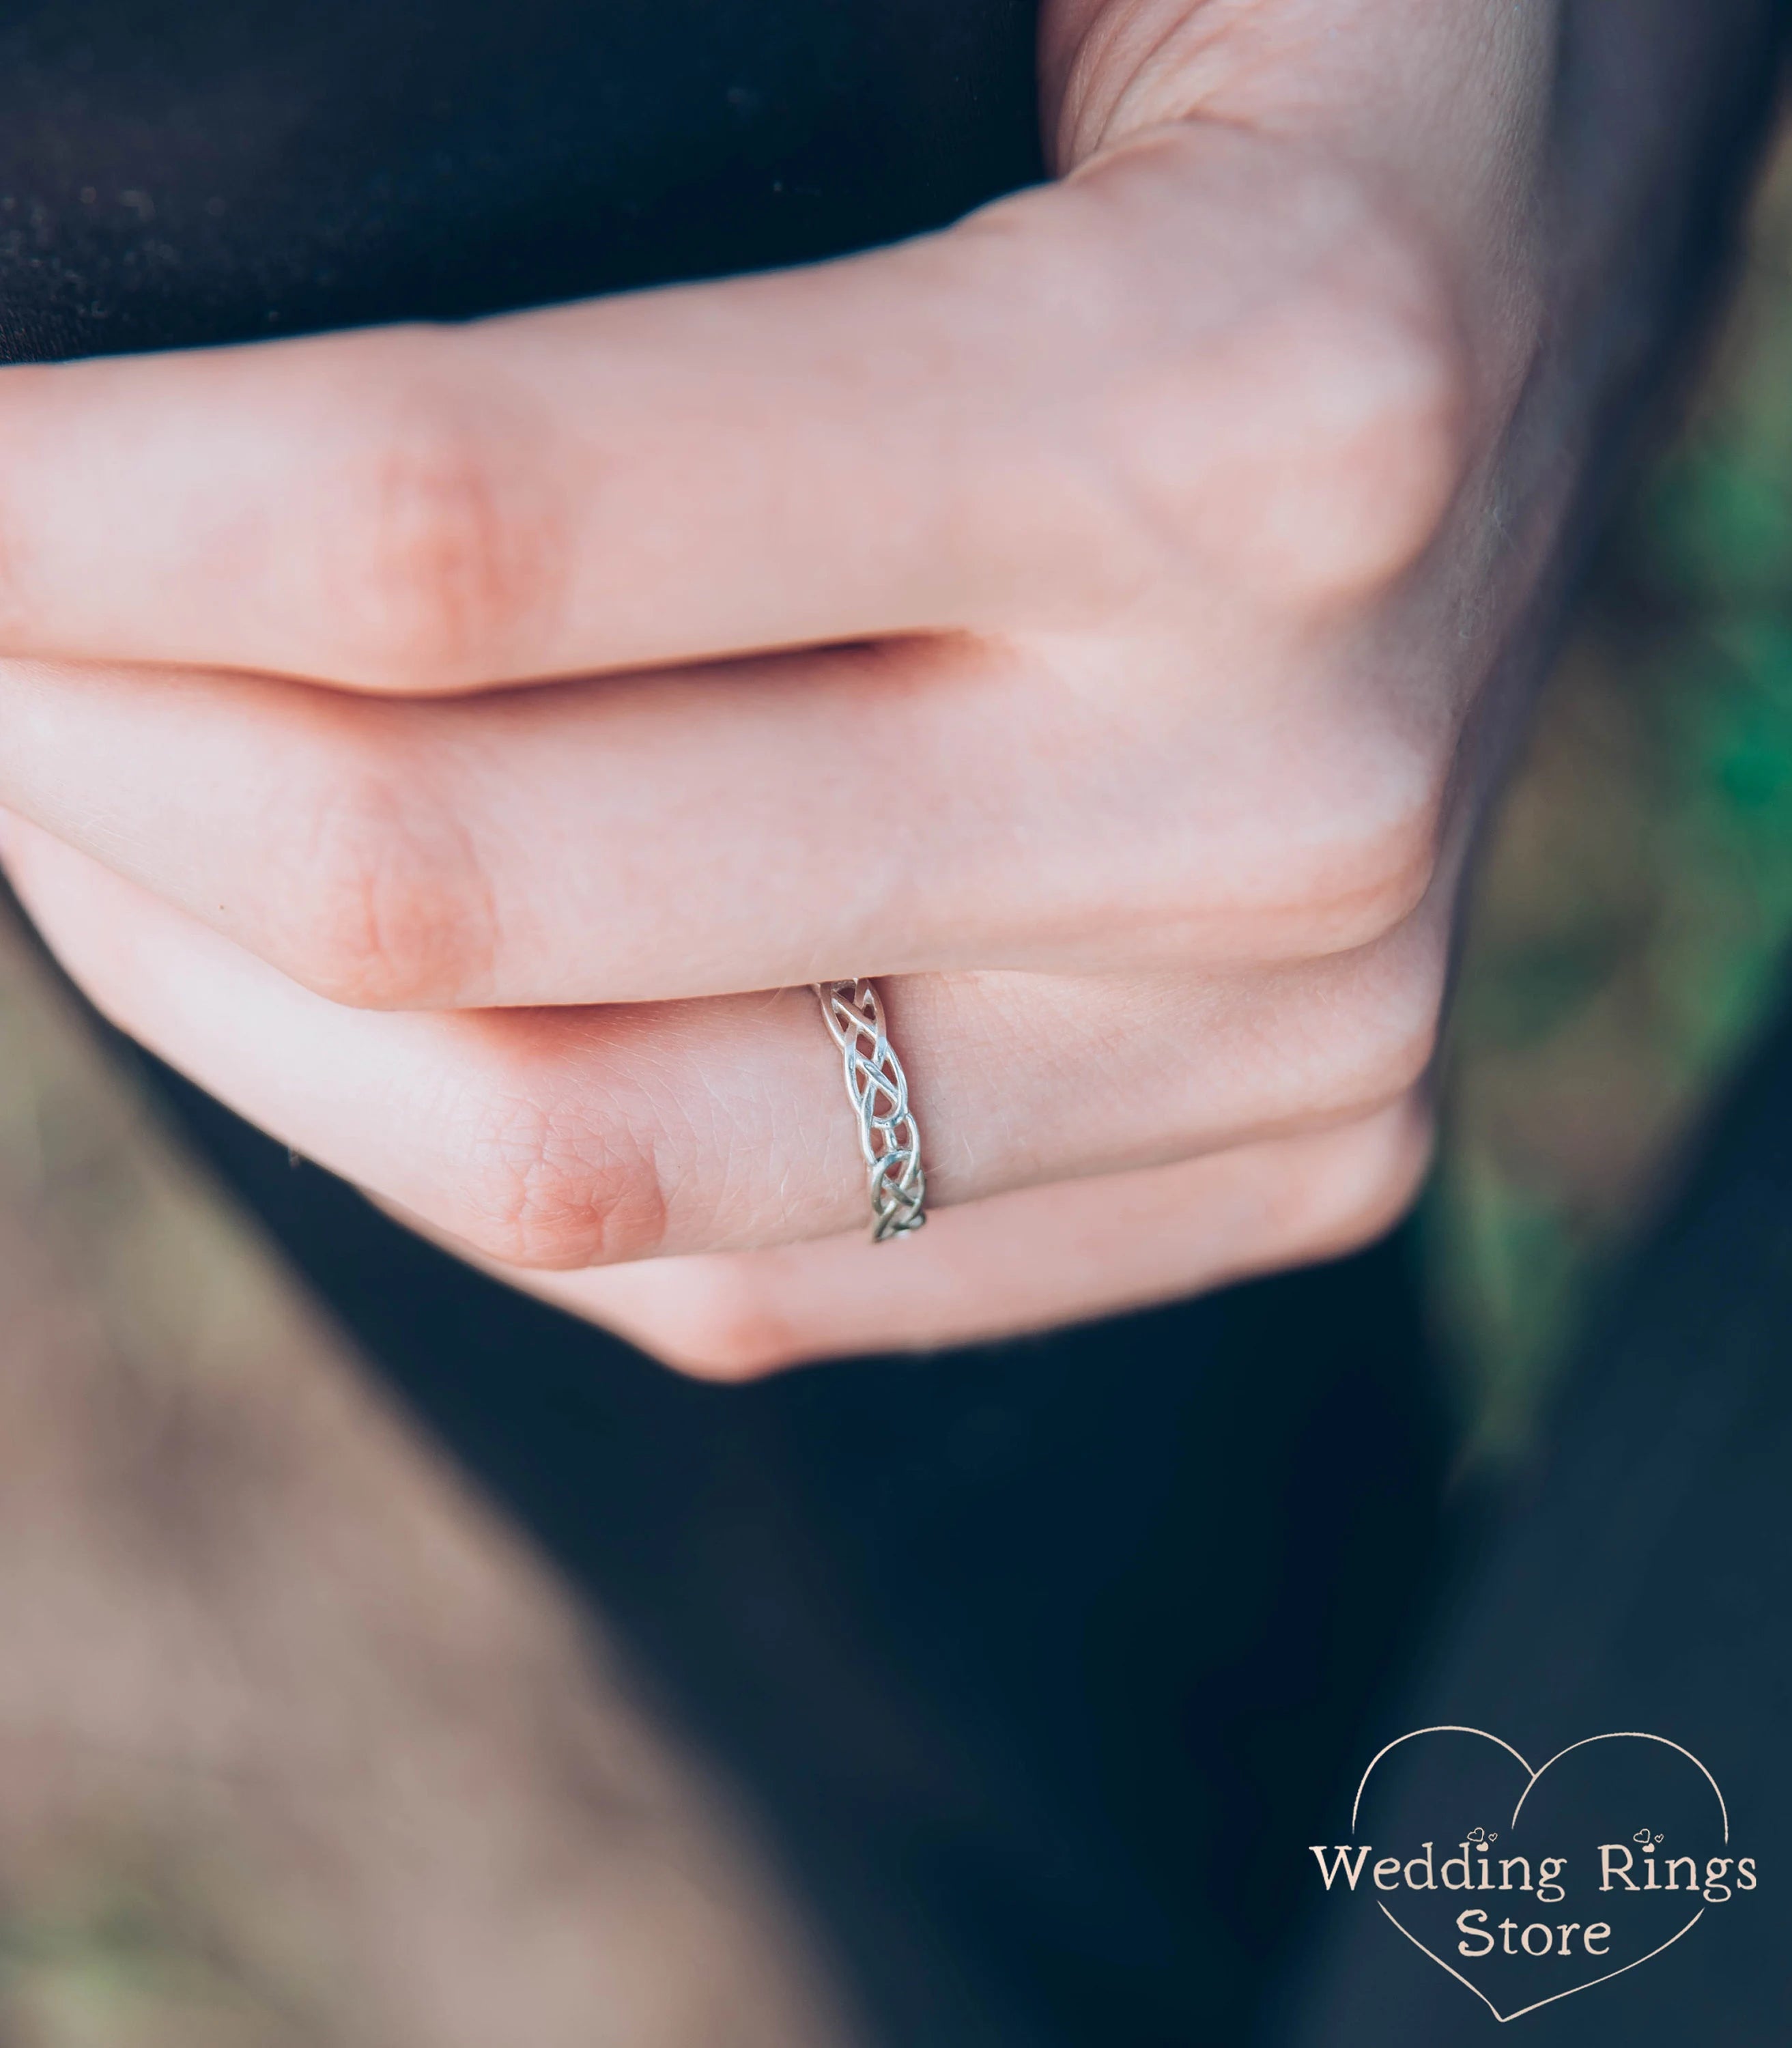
1532 1777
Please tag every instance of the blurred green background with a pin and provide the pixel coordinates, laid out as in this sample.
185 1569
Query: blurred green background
1629 921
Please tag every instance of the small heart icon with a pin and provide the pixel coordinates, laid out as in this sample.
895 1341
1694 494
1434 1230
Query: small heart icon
1577 1894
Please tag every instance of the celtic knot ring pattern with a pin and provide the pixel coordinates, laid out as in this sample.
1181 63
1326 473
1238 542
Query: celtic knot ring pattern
888 1134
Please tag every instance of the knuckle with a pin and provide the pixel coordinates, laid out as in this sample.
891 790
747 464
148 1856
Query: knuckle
1383 1179
1390 1049
1401 1046
1366 883
1311 453
385 906
1348 1043
1372 445
1368 1183
1349 852
440 545
540 1189
729 1326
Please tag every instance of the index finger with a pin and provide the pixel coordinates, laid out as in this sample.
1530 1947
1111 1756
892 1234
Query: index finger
1024 421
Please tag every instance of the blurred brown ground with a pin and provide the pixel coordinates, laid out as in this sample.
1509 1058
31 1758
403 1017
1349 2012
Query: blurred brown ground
298 1746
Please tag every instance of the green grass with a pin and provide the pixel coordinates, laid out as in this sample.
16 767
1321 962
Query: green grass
1627 929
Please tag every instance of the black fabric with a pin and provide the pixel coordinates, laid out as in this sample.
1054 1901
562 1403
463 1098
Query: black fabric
1642 1578
180 171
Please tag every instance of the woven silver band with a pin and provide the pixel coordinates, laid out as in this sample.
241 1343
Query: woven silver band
878 1090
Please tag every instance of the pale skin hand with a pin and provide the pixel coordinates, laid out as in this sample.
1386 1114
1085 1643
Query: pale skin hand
1141 551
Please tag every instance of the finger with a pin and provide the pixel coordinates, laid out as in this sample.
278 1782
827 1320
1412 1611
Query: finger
839 812
567 1137
1083 393
1026 1261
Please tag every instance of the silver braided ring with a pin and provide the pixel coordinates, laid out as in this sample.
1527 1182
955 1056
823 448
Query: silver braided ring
878 1091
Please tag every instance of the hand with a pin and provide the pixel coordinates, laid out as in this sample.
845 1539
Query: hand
1073 619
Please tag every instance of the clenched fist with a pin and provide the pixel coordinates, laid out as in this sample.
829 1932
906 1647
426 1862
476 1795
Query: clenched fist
458 748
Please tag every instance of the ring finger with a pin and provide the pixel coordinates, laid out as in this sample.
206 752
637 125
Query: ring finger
565 1137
